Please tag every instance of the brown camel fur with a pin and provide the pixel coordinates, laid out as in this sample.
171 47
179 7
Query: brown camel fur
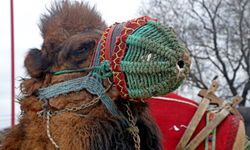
70 35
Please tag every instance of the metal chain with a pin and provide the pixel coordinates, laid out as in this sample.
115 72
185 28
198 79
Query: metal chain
49 114
75 109
133 129
83 106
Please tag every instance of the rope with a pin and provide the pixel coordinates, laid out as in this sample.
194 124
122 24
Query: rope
104 69
210 141
91 84
76 70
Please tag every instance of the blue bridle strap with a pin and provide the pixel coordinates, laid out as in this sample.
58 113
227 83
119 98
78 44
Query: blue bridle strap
91 84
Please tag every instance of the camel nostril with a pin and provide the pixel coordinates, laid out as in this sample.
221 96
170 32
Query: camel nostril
180 64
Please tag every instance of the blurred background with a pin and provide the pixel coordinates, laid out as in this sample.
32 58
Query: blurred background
216 32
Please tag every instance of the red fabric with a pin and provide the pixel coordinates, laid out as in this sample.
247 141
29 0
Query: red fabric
174 114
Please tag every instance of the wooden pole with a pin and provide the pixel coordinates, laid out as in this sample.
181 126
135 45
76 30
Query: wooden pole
12 64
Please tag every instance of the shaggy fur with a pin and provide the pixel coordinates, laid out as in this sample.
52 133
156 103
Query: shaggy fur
69 33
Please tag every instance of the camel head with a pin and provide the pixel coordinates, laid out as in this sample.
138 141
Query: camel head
139 58
70 33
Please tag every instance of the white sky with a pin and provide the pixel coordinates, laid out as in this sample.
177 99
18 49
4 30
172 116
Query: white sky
27 35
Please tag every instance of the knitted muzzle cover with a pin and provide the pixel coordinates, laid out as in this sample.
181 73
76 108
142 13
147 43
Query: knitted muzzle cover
145 58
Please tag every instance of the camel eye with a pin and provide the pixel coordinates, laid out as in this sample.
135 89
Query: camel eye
79 51
84 48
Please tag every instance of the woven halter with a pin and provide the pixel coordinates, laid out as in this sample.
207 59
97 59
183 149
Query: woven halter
142 57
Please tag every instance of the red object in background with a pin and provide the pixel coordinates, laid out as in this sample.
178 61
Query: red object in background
173 114
12 64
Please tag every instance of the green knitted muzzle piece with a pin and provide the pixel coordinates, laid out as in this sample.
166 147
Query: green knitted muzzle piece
153 61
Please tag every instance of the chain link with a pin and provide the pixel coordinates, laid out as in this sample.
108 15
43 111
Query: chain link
133 129
47 114
75 109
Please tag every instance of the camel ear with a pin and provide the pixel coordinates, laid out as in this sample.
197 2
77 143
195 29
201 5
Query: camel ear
36 64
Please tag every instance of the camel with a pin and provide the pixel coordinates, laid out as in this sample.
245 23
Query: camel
81 93
70 32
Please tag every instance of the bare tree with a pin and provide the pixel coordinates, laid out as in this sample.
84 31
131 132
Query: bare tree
217 33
